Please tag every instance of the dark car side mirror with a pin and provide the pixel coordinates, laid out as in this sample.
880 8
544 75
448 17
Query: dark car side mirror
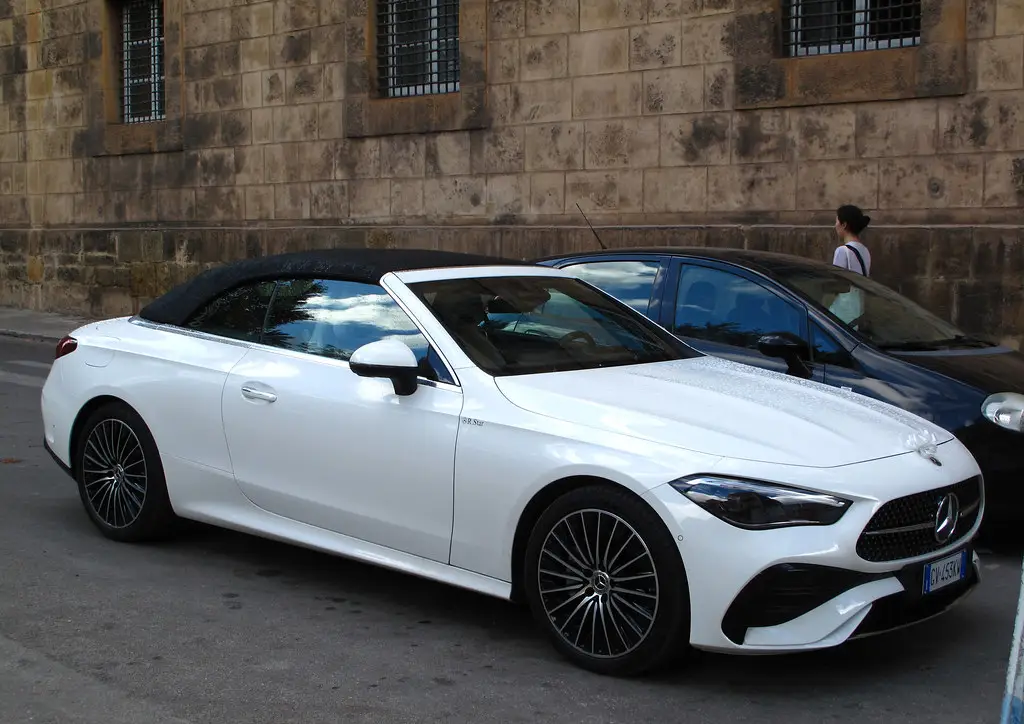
788 347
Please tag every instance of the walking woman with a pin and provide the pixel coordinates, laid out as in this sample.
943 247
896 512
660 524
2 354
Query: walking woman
852 254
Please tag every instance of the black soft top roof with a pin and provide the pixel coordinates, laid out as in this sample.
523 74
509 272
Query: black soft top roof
358 265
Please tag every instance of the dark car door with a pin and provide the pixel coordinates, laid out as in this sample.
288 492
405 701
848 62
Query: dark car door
723 310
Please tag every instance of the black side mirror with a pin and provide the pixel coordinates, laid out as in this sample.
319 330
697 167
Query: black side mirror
788 347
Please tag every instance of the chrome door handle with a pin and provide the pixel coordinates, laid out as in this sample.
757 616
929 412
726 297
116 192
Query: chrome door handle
253 394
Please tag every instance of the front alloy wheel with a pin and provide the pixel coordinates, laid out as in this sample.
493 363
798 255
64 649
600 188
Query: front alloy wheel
605 579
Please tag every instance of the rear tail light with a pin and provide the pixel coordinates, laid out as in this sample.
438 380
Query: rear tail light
67 345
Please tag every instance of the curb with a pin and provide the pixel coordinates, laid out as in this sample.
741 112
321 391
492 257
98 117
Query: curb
30 336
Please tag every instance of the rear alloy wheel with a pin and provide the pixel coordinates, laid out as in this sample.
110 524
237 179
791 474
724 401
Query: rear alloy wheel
606 581
120 478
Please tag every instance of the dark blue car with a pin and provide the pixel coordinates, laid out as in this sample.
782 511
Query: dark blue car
820 322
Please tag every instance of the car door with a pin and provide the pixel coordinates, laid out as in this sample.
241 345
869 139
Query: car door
311 441
723 312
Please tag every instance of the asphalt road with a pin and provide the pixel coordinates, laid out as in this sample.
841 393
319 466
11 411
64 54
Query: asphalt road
222 627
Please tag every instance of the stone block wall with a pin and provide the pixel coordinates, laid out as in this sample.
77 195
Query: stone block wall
665 121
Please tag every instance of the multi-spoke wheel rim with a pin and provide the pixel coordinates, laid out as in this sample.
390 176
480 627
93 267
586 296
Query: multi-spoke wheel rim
114 473
598 583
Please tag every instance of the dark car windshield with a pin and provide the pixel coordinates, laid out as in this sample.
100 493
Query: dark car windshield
513 325
879 314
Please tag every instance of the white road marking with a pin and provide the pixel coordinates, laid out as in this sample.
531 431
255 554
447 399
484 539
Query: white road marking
14 378
29 363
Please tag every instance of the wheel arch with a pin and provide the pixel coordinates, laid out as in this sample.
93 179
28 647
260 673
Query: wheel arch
83 414
536 507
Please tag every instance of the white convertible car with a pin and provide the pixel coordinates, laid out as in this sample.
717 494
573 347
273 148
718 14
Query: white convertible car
513 430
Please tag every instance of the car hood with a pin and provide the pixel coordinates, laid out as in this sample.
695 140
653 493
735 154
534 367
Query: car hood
991 370
722 408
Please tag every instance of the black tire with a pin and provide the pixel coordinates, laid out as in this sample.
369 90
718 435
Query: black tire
113 449
598 601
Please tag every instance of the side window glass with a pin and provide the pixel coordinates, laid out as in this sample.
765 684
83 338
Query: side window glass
237 314
825 349
718 306
631 282
332 318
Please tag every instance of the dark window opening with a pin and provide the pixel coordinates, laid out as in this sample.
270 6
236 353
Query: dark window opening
417 47
825 27
141 61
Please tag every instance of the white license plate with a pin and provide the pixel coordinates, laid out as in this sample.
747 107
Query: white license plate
939 574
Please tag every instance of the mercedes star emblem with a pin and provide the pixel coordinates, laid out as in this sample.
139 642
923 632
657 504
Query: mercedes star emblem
946 517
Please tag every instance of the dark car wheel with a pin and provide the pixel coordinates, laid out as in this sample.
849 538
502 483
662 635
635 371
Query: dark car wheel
604 578
120 477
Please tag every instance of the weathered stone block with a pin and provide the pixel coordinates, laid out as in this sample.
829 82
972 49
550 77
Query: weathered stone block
454 196
406 197
944 182
824 133
548 17
901 128
291 201
599 51
508 195
753 187
675 90
830 184
655 46
697 139
508 19
295 123
547 193
675 189
503 61
607 97
604 191
596 14
259 202
1000 63
672 9
761 137
544 58
357 159
1004 180
497 151
622 143
706 40
447 154
554 146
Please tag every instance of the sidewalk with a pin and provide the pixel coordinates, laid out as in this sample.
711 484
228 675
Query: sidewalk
41 326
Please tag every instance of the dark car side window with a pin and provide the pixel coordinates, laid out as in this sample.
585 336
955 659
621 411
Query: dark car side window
332 318
718 306
631 282
236 314
826 350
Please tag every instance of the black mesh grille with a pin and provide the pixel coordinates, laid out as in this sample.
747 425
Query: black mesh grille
823 27
142 61
417 47
905 527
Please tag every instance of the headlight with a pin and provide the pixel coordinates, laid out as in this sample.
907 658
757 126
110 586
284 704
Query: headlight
759 506
1005 409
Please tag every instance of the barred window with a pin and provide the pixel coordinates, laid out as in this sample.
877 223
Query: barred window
417 47
822 27
142 61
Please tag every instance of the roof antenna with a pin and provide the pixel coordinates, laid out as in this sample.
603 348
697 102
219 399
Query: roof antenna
591 227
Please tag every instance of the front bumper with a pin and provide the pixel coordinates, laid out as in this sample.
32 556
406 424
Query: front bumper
812 587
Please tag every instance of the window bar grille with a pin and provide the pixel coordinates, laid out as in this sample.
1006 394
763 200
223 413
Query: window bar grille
417 47
142 61
825 27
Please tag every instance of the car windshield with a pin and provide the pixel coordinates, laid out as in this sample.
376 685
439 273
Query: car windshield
879 314
514 325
